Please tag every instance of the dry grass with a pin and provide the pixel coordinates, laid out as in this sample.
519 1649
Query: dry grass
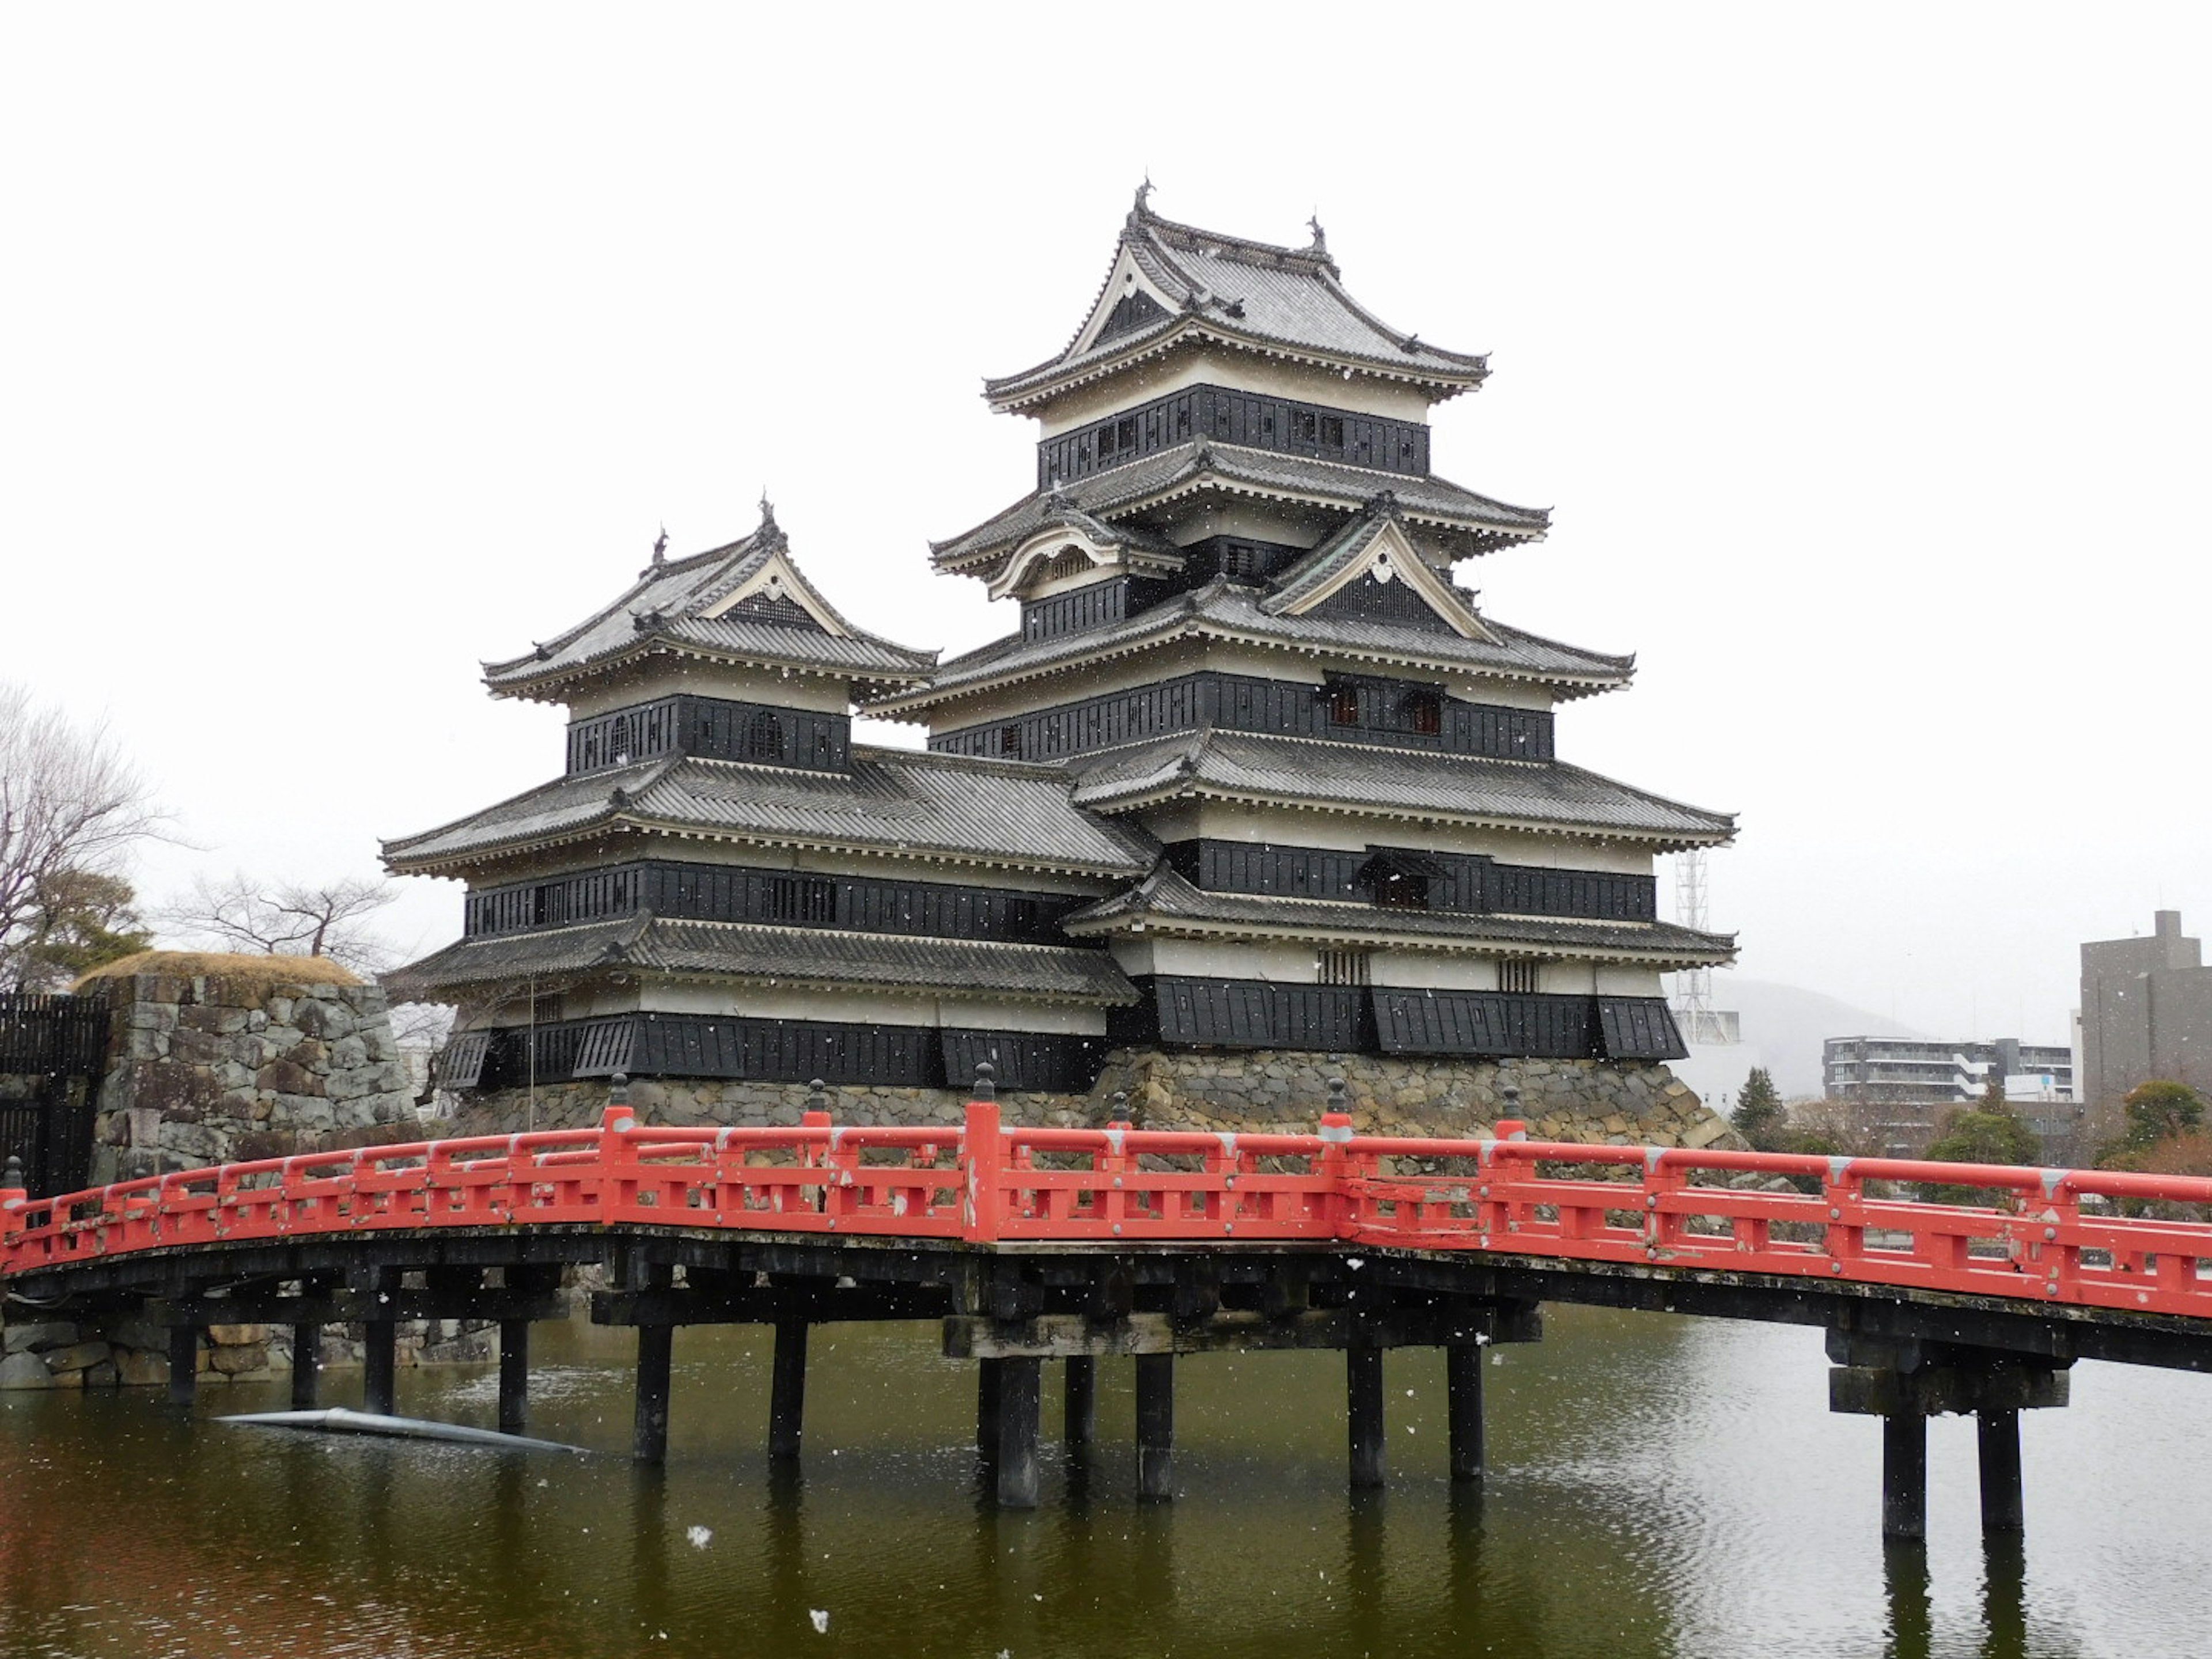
264 970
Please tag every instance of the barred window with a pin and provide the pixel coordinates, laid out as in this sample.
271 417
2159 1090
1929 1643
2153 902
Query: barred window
1520 976
1341 968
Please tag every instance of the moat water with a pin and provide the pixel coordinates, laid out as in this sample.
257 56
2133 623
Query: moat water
1659 1486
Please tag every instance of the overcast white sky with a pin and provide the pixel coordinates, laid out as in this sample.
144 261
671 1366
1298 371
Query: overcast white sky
1861 352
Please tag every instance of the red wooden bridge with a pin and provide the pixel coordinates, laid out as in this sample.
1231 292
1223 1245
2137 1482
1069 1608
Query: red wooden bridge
1037 1244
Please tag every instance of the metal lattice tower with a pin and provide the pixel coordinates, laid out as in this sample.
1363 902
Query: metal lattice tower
1693 986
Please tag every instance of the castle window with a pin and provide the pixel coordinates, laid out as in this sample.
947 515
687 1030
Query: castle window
763 736
1010 741
809 900
1520 977
1343 704
1331 431
1424 712
1341 968
1305 425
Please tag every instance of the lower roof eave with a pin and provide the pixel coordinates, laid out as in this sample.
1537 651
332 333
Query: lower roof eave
1660 959
1654 841
488 859
429 990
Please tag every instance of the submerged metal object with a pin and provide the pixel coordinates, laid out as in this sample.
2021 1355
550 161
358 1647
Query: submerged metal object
338 1421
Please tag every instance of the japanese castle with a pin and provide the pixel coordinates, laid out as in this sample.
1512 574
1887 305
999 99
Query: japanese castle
1253 773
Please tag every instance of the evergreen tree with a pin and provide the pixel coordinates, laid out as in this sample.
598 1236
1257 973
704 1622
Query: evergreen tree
1758 1116
1981 1134
2158 1111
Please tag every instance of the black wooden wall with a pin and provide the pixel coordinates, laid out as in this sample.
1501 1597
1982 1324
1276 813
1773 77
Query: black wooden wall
1385 711
714 892
716 728
1228 416
1466 882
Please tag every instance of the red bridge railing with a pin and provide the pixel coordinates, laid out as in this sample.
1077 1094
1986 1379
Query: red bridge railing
2051 1235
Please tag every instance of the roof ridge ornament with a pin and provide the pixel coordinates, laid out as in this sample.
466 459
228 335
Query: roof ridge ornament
660 549
1320 237
1141 211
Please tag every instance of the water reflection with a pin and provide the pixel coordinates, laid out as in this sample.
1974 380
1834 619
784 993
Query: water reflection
1657 1488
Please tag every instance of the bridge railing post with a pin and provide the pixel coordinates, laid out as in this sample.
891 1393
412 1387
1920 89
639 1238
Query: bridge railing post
984 1164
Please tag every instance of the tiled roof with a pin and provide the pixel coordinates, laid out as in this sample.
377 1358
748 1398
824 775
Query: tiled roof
1226 611
664 605
1302 772
894 801
1287 301
1165 899
1479 522
792 956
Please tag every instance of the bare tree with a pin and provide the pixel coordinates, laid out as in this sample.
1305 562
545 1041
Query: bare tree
288 919
70 805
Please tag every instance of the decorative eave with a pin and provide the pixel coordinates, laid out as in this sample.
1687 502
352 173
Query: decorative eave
1107 546
1469 526
688 608
1180 773
620 804
1216 289
648 948
1179 622
559 686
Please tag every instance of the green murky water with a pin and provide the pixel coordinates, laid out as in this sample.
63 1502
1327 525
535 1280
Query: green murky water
1660 1486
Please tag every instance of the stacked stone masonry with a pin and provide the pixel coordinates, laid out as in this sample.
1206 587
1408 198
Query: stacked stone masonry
208 1068
125 1352
1584 1101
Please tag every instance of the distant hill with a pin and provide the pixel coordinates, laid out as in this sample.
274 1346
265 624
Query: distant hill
1788 1026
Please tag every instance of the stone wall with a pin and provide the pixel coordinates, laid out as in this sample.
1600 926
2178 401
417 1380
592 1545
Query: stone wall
1571 1100
205 1069
127 1352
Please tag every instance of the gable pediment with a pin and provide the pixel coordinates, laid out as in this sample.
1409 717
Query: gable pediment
1380 575
777 592
1130 301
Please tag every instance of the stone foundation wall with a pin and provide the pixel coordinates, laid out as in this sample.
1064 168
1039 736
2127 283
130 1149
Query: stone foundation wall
131 1352
210 1068
1623 1103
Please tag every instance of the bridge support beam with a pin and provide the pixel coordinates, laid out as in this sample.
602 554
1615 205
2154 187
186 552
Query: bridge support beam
1156 1426
184 1363
1463 1408
1020 1385
513 1377
1905 1381
307 1366
786 1400
1363 1379
1079 1401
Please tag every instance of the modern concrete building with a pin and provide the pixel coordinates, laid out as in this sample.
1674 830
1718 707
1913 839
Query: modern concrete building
1908 1069
2146 1011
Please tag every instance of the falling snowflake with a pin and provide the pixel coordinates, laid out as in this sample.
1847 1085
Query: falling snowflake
699 1537
821 1617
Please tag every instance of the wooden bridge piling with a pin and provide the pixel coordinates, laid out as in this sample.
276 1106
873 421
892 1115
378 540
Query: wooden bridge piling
1363 1377
1156 1426
307 1366
656 1352
515 1376
1997 1436
184 1363
1463 1409
1903 1475
787 1409
1020 1384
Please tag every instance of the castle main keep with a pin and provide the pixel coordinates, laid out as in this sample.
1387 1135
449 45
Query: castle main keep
1255 773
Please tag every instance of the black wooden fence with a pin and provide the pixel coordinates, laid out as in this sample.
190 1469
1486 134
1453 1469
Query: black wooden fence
54 1050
